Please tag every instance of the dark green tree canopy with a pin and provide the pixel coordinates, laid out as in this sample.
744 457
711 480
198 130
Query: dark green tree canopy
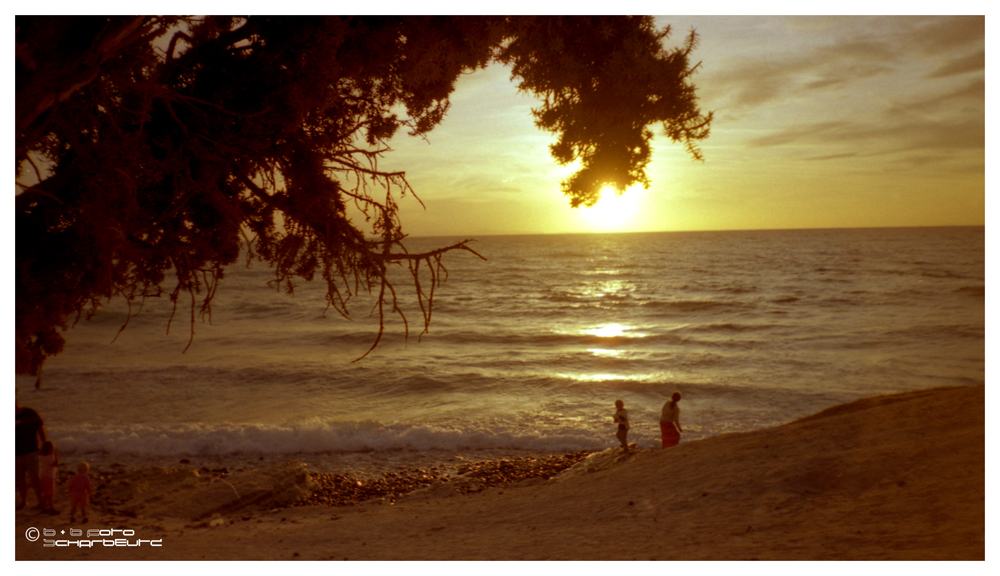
156 147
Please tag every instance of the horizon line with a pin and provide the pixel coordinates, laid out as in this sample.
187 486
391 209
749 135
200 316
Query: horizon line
613 233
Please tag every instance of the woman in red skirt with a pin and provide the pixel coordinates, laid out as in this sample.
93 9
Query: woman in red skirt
670 421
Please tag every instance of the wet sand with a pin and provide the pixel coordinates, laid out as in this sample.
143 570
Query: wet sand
897 477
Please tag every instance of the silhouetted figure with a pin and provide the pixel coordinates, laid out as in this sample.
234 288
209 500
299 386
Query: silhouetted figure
30 430
670 421
79 492
48 464
621 418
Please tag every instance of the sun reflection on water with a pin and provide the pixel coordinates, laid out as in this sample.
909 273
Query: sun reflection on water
605 352
605 377
610 377
608 330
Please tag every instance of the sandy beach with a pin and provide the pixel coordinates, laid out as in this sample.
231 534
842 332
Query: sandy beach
898 477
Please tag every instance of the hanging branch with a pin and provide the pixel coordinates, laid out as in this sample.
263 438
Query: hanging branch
164 145
425 300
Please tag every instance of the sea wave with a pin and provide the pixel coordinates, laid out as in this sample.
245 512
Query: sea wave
972 290
696 305
753 328
315 437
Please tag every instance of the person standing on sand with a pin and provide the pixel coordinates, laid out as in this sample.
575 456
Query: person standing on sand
670 421
621 418
79 491
48 462
28 432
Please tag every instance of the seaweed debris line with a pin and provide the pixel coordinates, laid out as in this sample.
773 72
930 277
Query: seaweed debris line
471 477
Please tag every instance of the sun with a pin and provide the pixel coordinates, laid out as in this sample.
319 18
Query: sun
614 212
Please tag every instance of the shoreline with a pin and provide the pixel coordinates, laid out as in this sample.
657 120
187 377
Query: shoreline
362 465
123 492
867 480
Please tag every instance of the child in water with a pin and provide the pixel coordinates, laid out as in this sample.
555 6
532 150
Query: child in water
621 418
79 491
48 461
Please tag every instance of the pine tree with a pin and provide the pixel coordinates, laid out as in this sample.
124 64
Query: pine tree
154 152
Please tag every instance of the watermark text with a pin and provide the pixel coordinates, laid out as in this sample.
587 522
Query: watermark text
108 537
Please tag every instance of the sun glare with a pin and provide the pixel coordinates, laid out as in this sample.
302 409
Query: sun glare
608 330
613 212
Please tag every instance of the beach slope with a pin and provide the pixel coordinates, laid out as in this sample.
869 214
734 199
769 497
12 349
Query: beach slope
898 477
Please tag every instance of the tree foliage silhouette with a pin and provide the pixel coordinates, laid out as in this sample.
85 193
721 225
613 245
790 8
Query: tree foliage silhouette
152 151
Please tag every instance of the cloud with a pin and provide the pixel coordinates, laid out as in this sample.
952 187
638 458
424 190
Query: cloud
834 156
942 125
961 65
936 35
915 134
854 88
970 97
825 83
813 132
839 51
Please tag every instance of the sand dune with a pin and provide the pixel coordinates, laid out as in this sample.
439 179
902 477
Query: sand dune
897 477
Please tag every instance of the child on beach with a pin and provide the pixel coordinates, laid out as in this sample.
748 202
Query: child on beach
79 491
48 461
621 418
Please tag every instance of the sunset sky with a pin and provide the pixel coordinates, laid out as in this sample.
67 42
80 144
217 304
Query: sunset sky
837 121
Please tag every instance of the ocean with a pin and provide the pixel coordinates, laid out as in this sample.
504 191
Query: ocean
527 351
